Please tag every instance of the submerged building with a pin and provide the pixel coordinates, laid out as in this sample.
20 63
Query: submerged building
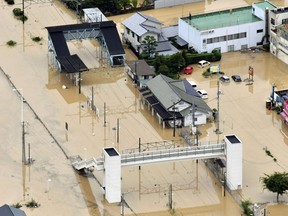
227 30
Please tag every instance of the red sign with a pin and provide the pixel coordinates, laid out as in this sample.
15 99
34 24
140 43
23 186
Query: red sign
251 71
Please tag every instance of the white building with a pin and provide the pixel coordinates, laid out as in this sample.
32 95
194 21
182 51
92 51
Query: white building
279 33
138 26
227 30
234 153
93 15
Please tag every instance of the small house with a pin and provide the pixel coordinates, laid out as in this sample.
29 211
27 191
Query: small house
140 72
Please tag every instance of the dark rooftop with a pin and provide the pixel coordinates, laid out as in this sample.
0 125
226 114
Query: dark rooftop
233 139
111 152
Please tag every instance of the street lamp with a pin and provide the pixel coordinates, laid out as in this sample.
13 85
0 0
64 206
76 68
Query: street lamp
22 123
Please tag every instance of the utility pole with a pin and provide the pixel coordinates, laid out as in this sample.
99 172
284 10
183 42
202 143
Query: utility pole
174 120
122 204
92 99
139 150
217 131
79 80
170 201
118 126
104 114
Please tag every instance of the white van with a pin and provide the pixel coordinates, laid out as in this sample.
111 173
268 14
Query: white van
193 84
203 63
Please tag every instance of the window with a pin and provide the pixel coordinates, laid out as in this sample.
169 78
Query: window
242 35
216 39
204 41
244 46
259 30
138 38
230 48
236 36
284 21
230 37
133 34
209 41
128 31
272 21
222 38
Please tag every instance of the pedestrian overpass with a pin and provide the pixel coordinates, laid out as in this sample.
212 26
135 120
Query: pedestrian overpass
157 156
112 161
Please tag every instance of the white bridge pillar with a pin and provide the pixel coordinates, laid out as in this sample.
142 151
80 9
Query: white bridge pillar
112 175
233 162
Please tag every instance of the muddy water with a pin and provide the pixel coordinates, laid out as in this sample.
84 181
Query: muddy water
51 181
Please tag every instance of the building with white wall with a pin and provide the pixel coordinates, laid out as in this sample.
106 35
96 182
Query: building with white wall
227 30
234 152
93 15
279 33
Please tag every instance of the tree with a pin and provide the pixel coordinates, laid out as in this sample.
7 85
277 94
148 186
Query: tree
124 4
276 183
163 69
134 3
149 46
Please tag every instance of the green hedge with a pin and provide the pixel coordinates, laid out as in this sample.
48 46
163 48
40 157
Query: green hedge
195 58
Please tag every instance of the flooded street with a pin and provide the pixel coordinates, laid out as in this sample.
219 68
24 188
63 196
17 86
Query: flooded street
59 124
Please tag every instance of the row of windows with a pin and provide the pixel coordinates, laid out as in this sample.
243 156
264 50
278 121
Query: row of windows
232 47
283 21
225 38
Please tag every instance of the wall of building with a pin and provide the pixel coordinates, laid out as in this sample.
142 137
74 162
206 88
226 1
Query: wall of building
197 39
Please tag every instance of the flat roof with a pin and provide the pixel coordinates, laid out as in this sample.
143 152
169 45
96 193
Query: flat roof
265 5
111 152
222 19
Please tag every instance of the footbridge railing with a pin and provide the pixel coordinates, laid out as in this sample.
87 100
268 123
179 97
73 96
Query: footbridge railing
157 156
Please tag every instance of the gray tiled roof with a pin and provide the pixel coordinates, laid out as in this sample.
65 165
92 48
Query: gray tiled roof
169 91
170 31
142 68
136 23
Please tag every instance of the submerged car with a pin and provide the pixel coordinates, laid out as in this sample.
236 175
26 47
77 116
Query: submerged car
224 79
188 70
203 63
203 94
236 78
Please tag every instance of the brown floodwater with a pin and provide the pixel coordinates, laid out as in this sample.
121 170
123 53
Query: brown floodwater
51 181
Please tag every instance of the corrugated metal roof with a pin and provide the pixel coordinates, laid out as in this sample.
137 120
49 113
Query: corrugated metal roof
59 43
112 38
